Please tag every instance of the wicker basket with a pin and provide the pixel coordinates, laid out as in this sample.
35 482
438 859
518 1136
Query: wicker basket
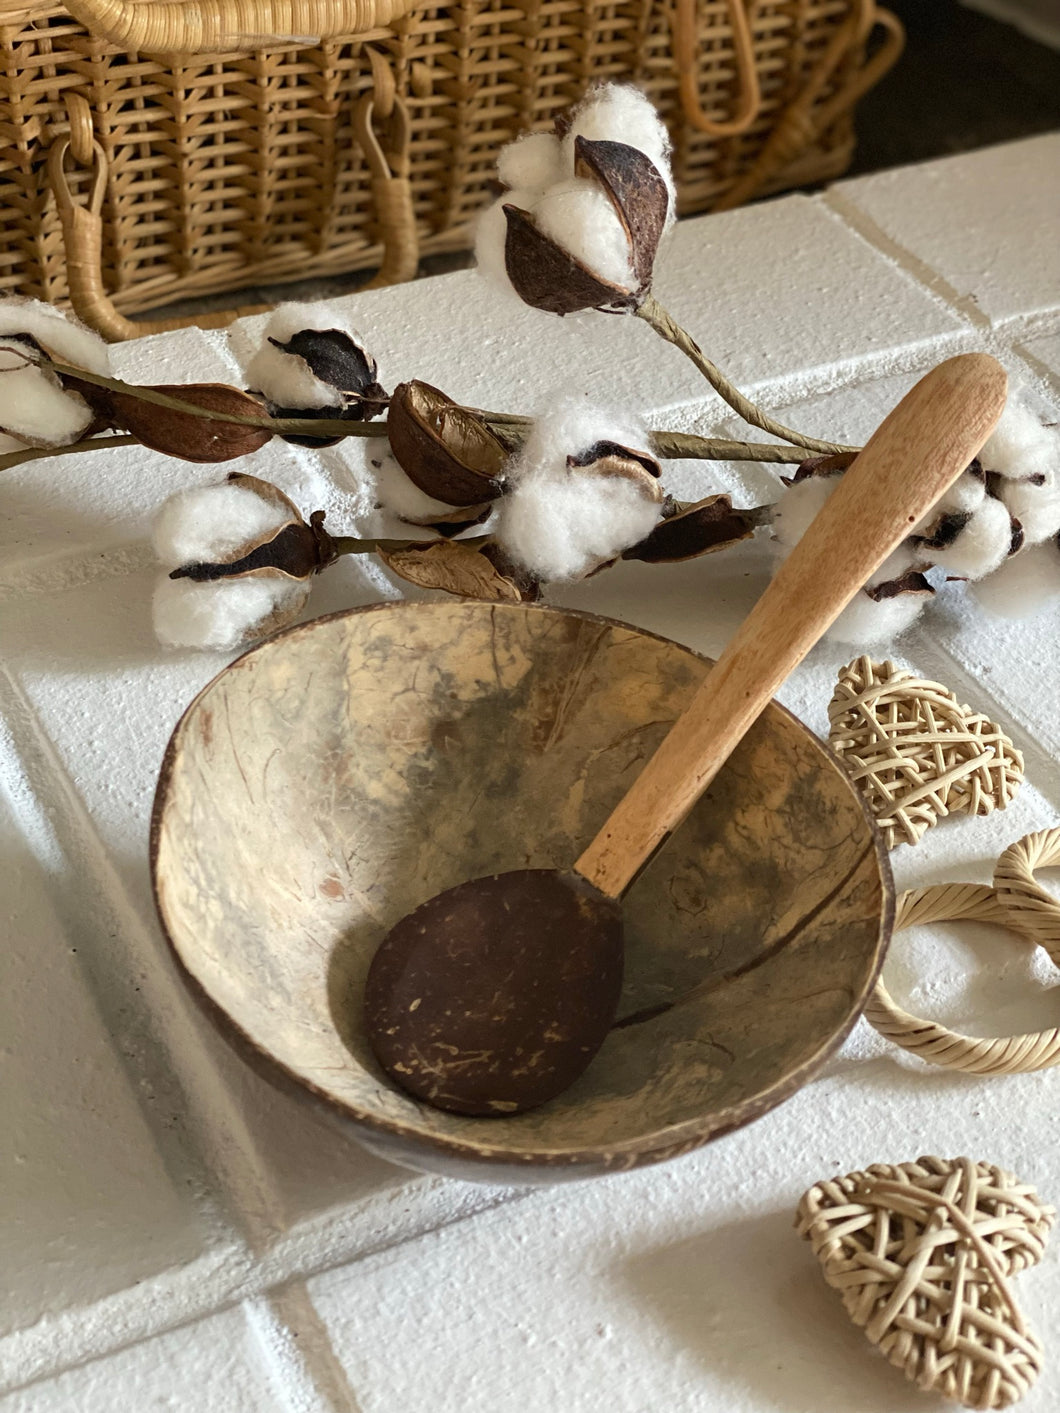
366 134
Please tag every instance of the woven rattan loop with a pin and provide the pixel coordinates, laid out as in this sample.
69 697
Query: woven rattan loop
1009 1054
79 114
686 57
1028 906
98 165
384 88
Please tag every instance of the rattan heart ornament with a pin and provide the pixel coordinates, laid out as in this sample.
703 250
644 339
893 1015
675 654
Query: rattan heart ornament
923 1254
915 752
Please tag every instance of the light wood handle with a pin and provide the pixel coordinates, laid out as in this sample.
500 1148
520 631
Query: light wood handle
915 454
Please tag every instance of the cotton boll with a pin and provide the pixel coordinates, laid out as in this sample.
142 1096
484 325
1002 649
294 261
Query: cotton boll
617 112
562 524
1020 446
570 426
798 506
1036 507
34 406
1024 584
396 493
982 545
579 216
867 622
963 497
560 521
208 523
224 613
305 377
532 162
491 236
62 333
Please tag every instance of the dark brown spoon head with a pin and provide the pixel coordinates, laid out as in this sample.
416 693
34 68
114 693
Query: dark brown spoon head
494 996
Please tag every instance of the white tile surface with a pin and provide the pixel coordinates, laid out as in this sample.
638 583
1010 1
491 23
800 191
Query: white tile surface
163 1182
213 1364
986 223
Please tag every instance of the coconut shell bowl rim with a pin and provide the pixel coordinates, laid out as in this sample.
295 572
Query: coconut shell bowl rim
476 1157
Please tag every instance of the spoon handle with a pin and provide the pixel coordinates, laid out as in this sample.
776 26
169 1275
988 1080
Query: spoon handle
914 455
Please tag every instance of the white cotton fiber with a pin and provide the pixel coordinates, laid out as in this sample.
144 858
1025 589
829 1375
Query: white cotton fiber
617 112
867 622
560 522
396 493
981 546
1037 508
64 335
570 426
224 613
34 407
963 497
1020 446
579 216
897 563
491 235
286 379
532 162
798 506
1024 584
213 524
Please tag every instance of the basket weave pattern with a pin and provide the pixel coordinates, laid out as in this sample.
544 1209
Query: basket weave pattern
226 170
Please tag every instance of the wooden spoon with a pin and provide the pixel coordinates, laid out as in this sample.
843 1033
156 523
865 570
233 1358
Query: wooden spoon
495 995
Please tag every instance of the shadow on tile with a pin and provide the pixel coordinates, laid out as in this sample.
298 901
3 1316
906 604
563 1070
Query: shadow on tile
747 1303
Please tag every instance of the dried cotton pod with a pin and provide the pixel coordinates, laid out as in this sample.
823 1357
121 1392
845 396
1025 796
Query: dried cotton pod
312 363
474 572
577 250
38 406
451 457
240 560
693 530
582 491
184 434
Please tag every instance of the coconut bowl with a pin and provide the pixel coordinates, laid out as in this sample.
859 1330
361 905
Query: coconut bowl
329 781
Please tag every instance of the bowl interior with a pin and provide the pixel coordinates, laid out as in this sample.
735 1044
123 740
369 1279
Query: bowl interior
328 782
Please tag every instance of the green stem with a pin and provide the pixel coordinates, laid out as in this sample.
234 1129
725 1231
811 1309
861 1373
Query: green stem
349 544
653 314
37 453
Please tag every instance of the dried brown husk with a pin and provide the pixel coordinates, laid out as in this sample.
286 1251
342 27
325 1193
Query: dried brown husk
445 450
709 524
612 459
455 568
635 189
912 582
546 276
294 550
832 464
182 434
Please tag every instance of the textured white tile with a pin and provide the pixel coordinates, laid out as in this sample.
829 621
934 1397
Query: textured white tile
985 221
215 1364
96 1209
681 1287
777 292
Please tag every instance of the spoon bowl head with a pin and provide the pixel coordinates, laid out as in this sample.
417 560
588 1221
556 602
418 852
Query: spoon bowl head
492 997
351 768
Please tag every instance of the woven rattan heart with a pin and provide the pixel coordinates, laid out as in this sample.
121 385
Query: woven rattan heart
915 752
922 1254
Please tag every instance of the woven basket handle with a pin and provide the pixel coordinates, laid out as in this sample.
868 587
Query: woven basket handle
175 27
82 223
686 58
